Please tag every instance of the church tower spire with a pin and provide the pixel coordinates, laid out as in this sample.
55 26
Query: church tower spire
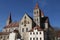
37 14
9 20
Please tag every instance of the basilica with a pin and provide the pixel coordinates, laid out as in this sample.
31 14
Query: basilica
28 28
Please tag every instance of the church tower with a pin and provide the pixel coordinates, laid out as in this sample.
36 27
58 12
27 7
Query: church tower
37 14
9 20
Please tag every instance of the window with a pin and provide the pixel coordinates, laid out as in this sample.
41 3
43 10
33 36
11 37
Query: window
26 29
25 17
36 32
22 29
7 37
40 38
0 37
30 33
34 12
37 19
33 38
33 32
25 22
40 32
36 38
22 23
28 22
4 38
37 12
30 38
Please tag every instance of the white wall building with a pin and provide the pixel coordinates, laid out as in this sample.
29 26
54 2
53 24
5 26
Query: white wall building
34 34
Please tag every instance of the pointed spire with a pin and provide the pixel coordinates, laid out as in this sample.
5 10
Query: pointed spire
37 6
9 20
9 16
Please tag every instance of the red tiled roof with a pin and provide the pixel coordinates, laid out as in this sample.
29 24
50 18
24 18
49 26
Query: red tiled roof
37 27
14 24
4 33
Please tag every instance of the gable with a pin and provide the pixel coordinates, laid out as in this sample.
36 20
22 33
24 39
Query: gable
26 18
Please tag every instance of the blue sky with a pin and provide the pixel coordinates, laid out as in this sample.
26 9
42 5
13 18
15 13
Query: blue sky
51 8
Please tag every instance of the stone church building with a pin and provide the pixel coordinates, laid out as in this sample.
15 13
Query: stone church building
36 28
